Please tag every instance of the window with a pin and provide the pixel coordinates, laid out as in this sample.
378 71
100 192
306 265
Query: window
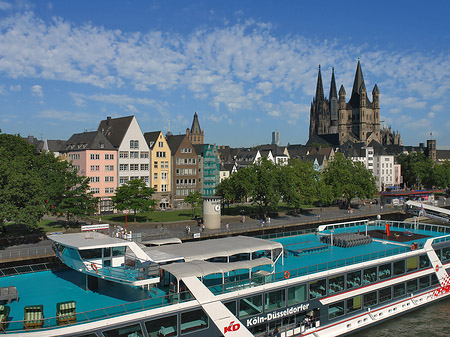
424 282
335 310
123 180
155 164
166 326
160 154
144 167
336 284
385 294
134 178
317 289
134 144
250 306
164 188
411 263
123 155
424 262
160 144
231 306
370 299
134 167
165 163
126 331
109 167
109 179
354 304
399 290
155 176
109 156
399 267
384 271
144 155
123 167
94 179
109 189
145 179
164 175
353 279
95 168
369 275
134 154
275 300
193 321
95 190
411 286
95 156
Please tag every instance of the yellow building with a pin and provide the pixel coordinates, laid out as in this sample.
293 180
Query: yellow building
160 167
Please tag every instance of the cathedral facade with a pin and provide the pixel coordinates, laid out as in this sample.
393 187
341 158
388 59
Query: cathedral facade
357 120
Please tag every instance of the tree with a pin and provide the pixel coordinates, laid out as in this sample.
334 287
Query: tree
441 175
226 190
417 169
299 183
349 180
134 195
194 199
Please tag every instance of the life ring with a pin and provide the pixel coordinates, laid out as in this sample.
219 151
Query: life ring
287 274
94 267
413 246
437 268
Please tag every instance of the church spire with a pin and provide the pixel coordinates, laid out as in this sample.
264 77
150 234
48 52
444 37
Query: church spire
320 97
359 79
333 91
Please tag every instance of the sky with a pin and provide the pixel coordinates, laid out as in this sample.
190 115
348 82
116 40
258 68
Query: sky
247 68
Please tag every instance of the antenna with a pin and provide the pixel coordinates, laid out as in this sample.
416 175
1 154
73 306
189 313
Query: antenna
169 125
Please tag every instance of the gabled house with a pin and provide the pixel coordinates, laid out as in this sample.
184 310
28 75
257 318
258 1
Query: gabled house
279 154
209 164
126 136
160 167
186 174
95 157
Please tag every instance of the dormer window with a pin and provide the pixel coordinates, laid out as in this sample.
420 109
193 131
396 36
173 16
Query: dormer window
134 144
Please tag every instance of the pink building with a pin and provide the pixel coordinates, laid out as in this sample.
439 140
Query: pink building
94 157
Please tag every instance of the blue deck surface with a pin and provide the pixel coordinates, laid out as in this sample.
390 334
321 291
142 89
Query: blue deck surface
48 288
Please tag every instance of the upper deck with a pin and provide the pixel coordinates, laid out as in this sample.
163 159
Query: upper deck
303 254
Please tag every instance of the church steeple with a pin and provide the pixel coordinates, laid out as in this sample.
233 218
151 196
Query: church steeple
195 134
320 97
195 128
333 91
358 85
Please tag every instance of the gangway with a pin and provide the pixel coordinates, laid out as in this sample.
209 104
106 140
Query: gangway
432 212
223 318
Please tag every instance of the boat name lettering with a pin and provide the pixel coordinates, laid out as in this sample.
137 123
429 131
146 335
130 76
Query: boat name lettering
276 314
231 327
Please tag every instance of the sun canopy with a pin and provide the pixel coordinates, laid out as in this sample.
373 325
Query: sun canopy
203 268
204 250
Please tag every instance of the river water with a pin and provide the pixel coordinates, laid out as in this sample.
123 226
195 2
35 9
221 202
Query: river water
430 321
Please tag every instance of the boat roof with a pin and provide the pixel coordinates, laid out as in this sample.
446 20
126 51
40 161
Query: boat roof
162 242
87 240
204 250
203 268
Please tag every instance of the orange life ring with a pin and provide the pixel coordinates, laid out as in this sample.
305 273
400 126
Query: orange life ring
94 267
287 274
437 268
413 246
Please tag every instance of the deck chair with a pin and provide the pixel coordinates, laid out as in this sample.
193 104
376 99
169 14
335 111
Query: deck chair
33 317
12 294
4 313
66 312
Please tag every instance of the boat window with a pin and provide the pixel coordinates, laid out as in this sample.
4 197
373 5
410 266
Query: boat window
424 282
369 275
411 286
438 253
399 290
434 279
106 252
411 263
125 331
399 267
193 321
317 289
87 254
254 330
354 303
446 254
336 284
250 306
385 294
370 299
335 310
118 251
424 262
297 294
384 271
166 326
354 279
275 300
231 306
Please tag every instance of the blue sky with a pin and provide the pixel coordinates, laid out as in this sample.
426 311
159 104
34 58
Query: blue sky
246 67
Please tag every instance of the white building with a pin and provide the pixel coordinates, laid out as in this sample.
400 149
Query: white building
384 171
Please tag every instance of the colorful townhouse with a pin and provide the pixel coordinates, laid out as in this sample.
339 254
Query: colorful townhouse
133 152
209 167
160 167
96 158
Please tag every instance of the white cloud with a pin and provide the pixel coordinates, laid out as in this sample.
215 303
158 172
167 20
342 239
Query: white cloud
63 115
4 5
437 107
36 90
431 115
2 89
15 88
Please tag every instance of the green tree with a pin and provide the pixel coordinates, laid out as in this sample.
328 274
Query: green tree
348 179
22 191
299 183
441 175
417 169
194 199
227 191
134 195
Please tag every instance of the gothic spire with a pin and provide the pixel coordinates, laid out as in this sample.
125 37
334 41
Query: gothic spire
359 79
319 89
333 91
195 128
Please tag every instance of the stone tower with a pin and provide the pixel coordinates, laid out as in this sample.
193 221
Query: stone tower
195 134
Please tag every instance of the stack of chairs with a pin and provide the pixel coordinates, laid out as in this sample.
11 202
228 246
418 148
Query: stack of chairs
347 240
33 317
4 313
66 312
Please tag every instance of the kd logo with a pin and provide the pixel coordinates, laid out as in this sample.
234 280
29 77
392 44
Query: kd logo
232 327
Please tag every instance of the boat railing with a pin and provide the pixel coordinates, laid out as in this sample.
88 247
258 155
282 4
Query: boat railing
25 252
108 312
32 268
308 270
413 226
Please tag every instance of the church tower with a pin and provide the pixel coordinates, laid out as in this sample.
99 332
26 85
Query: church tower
195 134
333 105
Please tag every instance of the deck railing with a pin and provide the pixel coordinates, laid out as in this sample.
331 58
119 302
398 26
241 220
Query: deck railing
25 252
34 268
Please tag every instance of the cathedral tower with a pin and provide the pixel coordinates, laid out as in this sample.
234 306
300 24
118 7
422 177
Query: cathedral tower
195 134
